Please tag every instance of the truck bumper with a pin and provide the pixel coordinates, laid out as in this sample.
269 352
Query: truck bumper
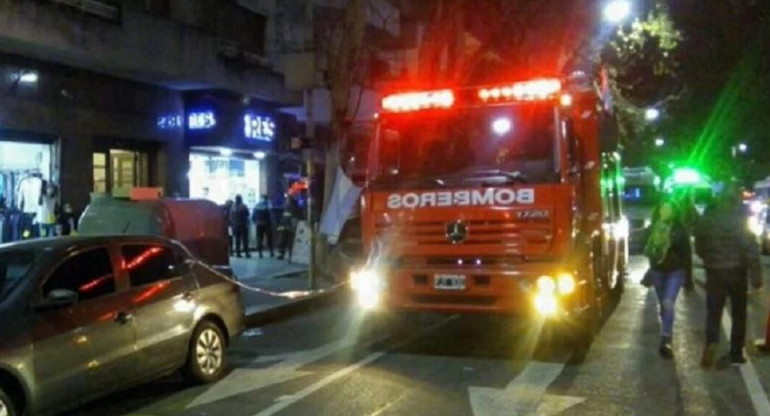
486 291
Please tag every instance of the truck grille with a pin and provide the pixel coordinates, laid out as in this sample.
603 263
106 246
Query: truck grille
478 232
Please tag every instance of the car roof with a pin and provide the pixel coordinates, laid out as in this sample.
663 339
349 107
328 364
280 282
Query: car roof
58 244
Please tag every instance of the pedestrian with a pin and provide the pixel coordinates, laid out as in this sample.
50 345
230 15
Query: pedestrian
729 251
262 217
239 221
46 212
287 226
226 208
669 253
685 199
67 223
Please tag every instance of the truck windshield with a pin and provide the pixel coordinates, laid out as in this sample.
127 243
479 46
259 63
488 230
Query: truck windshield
14 266
640 195
514 143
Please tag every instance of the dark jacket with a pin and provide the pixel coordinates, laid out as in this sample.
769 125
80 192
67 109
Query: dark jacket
723 239
262 215
239 216
679 254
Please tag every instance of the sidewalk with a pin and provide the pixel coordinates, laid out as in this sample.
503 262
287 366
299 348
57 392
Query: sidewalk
289 284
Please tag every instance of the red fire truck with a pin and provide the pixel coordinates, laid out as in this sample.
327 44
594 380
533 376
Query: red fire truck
499 199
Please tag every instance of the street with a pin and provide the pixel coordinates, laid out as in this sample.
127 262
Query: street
459 366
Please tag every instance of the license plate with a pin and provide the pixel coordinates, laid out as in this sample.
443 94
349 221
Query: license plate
449 282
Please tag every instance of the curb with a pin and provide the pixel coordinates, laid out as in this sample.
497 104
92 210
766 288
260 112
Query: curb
298 307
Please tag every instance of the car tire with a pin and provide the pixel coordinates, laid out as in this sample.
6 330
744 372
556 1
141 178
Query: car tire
206 356
7 407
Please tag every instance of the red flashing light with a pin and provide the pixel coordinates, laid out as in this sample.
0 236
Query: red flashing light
414 101
539 89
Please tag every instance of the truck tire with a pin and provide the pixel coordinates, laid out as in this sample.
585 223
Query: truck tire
206 357
7 407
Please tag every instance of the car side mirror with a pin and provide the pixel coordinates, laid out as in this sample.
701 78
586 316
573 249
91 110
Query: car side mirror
57 299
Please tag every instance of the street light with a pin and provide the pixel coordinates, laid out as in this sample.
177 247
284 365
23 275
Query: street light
617 11
651 114
659 142
742 147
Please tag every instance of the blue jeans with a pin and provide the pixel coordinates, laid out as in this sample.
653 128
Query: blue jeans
667 286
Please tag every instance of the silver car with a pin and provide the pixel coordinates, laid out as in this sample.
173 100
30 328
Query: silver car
83 317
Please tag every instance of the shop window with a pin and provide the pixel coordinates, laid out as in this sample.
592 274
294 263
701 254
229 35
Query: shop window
100 173
219 178
22 168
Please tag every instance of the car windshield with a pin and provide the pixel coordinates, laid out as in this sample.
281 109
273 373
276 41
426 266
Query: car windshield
515 143
640 195
15 264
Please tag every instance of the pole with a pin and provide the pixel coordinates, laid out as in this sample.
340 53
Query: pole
310 133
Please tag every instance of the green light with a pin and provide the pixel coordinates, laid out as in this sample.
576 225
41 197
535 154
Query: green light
686 176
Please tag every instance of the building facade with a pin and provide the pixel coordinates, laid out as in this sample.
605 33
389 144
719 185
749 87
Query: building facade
103 95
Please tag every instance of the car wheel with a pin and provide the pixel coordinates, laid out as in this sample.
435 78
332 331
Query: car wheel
6 405
206 359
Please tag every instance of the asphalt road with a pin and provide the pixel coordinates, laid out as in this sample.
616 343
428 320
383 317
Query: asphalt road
455 366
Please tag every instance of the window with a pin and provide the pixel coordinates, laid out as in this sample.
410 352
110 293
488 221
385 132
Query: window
100 173
14 266
88 274
147 264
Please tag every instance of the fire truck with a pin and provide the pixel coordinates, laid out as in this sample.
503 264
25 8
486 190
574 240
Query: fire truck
498 199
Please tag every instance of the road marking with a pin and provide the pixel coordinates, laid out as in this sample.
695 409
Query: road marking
524 395
285 369
307 391
749 374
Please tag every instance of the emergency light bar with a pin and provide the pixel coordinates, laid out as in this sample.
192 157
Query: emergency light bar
412 101
539 89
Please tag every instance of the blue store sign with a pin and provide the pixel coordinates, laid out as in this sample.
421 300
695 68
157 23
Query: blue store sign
259 127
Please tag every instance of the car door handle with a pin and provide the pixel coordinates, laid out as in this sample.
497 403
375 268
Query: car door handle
123 317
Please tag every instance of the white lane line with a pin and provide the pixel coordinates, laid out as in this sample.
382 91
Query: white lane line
749 374
307 391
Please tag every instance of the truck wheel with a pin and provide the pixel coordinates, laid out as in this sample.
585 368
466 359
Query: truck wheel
7 407
206 359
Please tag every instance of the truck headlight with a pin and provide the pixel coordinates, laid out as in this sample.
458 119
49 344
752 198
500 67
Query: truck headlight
566 283
367 286
545 300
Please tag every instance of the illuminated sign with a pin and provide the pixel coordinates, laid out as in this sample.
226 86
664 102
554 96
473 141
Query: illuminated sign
201 120
258 127
169 122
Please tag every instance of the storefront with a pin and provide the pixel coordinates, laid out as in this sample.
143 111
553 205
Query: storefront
27 164
233 149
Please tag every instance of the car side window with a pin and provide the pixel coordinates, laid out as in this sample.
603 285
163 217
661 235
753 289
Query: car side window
149 263
89 274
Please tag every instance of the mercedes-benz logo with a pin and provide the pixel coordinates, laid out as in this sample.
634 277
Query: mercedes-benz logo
456 232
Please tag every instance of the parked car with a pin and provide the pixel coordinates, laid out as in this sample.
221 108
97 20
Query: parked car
82 317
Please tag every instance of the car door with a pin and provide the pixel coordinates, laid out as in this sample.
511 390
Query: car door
87 348
162 295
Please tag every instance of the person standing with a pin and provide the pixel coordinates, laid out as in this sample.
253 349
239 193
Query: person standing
226 209
287 226
685 199
669 252
46 211
262 217
67 223
729 251
239 221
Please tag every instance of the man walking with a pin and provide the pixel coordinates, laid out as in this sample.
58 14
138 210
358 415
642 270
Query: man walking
729 251
263 219
239 220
